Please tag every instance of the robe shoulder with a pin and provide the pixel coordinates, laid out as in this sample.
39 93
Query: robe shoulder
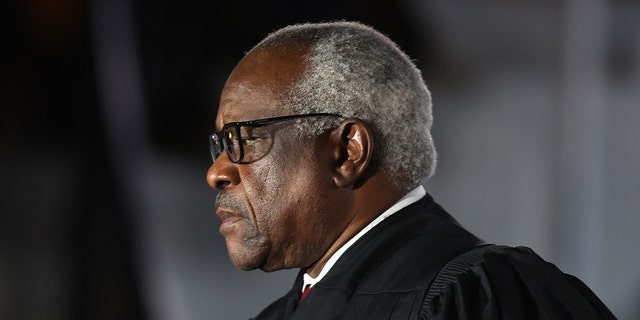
512 283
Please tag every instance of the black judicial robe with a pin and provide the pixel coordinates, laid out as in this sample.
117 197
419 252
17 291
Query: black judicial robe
387 274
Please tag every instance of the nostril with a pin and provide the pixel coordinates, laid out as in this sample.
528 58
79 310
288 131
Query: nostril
221 184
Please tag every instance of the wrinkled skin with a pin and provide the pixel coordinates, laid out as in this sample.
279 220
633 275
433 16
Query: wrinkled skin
278 212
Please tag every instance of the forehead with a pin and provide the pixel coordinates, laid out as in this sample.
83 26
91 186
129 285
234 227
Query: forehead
258 86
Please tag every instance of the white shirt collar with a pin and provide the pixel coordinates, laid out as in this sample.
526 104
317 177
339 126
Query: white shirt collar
409 198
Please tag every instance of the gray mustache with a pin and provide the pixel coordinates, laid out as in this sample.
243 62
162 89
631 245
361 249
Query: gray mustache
223 200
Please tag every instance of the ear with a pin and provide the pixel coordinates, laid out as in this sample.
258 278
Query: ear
353 148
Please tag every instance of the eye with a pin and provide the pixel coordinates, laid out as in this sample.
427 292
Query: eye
252 135
251 145
251 140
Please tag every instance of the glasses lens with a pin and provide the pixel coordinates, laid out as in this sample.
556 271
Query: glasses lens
232 141
215 145
256 142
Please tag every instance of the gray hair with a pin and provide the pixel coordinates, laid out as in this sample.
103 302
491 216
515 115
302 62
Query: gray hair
356 71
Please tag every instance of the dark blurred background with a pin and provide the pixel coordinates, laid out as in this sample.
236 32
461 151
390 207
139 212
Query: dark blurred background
106 108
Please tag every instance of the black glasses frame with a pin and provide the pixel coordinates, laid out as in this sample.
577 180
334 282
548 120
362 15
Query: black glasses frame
218 141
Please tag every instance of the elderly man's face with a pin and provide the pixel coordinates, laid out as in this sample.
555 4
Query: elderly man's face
277 211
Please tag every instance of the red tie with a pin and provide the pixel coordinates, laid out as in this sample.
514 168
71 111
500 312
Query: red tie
305 293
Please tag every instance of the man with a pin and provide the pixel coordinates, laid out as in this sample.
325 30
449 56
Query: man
323 145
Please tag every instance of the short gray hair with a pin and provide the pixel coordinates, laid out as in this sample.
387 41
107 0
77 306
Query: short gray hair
356 71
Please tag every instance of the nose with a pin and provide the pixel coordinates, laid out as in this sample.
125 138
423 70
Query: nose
222 173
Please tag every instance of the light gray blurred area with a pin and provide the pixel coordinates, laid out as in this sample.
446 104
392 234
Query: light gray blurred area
536 123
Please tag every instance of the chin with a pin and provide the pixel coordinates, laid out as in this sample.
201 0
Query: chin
255 263
244 265
271 268
247 260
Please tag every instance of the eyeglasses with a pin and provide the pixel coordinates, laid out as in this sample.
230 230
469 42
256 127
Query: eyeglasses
245 141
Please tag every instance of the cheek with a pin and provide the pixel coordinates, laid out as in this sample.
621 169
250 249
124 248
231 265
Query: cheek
274 177
265 187
288 205
280 192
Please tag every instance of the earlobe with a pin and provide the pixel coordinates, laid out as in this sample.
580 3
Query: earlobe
352 156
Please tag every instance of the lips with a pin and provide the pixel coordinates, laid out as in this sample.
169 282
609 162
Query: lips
228 211
228 216
229 220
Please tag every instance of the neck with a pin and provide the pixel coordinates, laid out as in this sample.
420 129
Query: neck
369 201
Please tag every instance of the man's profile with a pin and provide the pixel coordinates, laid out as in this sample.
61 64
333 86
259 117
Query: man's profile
321 147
